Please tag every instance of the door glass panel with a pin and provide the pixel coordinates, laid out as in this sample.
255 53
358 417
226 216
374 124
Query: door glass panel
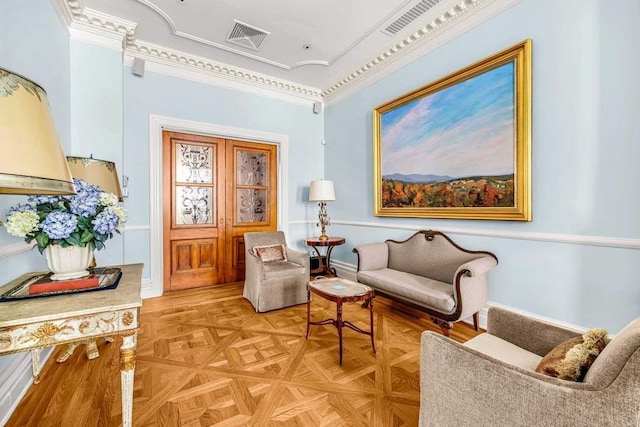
252 168
251 205
193 164
194 205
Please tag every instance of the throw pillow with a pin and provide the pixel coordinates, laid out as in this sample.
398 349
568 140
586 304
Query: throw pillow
571 359
271 253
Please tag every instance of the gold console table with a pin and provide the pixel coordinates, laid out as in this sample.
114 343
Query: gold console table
32 324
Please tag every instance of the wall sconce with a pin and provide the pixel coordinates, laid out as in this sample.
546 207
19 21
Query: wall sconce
32 160
97 172
322 191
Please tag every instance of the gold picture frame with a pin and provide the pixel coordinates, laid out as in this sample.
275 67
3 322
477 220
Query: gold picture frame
459 147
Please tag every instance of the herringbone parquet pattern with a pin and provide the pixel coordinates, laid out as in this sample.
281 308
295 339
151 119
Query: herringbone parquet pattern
205 358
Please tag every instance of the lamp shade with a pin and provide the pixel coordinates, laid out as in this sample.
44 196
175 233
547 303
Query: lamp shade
97 172
32 160
321 190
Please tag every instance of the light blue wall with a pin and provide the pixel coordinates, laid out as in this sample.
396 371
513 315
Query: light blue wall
586 97
96 117
34 43
163 95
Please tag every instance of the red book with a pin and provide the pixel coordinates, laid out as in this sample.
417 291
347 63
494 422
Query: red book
47 285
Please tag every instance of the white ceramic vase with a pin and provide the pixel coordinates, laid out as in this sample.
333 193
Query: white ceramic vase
68 263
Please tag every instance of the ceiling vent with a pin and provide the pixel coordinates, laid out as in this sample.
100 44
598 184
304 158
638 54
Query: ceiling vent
409 16
246 35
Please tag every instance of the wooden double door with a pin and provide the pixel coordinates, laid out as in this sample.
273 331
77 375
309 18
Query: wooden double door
214 190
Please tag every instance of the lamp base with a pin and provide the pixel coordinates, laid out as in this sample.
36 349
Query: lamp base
323 237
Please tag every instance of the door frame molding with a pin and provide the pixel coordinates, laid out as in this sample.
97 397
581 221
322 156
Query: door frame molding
157 124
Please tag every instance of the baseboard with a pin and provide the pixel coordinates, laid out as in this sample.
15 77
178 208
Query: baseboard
348 271
15 381
148 291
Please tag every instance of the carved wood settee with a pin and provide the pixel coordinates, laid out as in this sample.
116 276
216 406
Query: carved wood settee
428 271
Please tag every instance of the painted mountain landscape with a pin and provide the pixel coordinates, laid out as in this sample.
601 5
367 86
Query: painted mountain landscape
453 148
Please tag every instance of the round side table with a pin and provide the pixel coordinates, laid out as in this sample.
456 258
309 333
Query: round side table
316 243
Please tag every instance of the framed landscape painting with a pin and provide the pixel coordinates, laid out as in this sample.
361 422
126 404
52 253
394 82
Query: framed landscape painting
459 147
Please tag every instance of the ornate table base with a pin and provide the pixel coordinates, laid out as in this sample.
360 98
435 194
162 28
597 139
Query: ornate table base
340 291
90 347
74 319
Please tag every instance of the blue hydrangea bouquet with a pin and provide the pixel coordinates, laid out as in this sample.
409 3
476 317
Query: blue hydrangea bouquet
87 219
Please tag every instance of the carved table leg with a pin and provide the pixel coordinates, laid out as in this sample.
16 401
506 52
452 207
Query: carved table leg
370 301
445 326
91 349
67 352
328 267
308 311
339 326
35 365
127 367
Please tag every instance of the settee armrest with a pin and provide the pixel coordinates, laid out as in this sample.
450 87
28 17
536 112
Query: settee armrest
492 392
372 256
479 266
533 335
471 284
298 257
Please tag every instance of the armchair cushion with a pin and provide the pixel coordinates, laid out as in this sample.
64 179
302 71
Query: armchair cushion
277 270
571 359
504 351
271 253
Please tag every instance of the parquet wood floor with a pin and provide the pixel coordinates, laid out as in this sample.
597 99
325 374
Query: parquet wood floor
205 358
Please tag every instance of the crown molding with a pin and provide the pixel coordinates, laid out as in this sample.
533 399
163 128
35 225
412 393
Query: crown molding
213 80
460 18
98 28
190 63
94 27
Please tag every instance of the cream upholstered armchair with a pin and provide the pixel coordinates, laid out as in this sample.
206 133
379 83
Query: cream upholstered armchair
276 276
491 380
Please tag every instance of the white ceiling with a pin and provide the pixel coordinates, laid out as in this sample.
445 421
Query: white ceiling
344 37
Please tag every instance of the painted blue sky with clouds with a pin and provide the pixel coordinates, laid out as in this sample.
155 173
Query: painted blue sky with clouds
464 130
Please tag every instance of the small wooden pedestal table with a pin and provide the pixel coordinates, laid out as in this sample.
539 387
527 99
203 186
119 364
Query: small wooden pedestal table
315 242
341 290
32 324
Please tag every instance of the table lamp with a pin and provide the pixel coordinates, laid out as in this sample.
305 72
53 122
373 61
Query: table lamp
322 191
96 172
32 160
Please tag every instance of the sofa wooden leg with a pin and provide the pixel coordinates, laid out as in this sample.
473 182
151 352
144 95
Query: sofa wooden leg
476 323
445 326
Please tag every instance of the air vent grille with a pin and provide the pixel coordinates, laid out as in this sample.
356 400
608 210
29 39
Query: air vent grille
409 16
246 35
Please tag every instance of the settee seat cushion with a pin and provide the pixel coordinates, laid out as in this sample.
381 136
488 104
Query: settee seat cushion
505 351
417 289
280 269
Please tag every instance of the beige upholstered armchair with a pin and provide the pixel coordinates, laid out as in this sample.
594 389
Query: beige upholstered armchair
491 380
276 276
